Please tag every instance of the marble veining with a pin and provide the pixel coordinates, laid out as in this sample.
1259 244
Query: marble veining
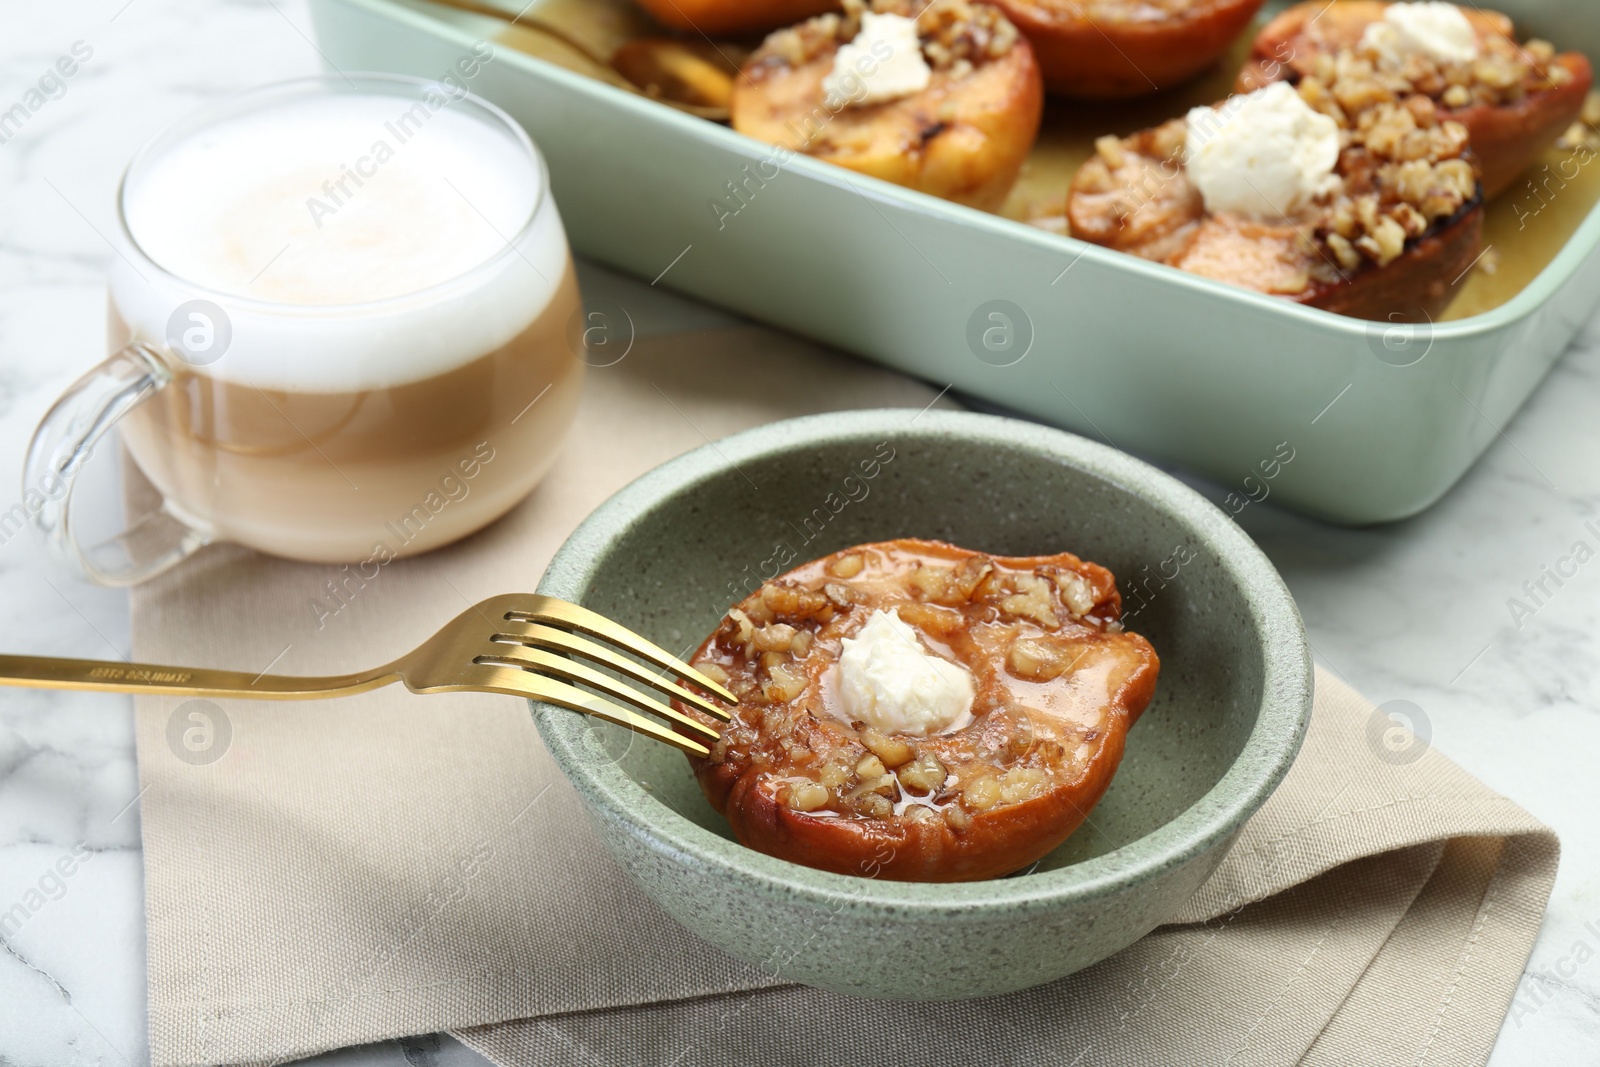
1418 611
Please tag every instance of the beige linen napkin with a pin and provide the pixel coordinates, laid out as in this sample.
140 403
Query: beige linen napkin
1370 913
322 875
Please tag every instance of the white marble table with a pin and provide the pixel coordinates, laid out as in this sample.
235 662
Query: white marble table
1416 611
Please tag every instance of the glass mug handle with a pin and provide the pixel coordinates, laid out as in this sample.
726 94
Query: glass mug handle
64 441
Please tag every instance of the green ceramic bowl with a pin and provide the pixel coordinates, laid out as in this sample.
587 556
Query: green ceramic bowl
670 552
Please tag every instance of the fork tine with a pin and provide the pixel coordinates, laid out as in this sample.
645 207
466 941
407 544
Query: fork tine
533 659
537 608
518 681
534 635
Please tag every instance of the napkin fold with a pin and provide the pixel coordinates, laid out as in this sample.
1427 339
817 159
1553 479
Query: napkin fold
329 874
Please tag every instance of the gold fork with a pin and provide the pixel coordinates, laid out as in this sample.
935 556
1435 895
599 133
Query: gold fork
518 644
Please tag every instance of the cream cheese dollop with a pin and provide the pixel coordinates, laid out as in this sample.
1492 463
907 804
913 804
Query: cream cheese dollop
1262 155
1437 30
883 63
889 681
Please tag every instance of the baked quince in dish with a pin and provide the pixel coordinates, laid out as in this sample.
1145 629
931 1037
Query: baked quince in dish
915 711
1373 212
1514 100
1109 49
733 16
942 97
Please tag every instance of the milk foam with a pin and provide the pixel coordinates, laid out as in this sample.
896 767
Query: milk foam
364 236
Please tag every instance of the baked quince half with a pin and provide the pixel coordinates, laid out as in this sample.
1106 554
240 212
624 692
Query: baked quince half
1515 100
943 97
1374 213
915 711
733 16
1111 49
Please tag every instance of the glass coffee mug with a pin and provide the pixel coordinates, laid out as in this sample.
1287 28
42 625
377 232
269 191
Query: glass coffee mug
338 319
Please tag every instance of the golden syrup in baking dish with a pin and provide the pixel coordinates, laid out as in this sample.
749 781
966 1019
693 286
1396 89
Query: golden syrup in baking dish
1528 224
1524 228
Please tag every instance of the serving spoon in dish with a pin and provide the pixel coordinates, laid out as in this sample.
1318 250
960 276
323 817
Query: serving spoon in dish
518 644
692 76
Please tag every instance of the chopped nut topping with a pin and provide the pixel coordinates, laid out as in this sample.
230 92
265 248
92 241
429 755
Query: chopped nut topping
870 766
774 638
924 774
786 684
806 796
1403 169
1585 133
882 785
1032 600
981 794
931 619
742 628
874 806
956 35
847 566
1502 73
1076 592
1022 783
834 775
1109 148
1038 660
891 750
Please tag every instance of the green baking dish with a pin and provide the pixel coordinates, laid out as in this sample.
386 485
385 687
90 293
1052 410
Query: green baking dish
1380 420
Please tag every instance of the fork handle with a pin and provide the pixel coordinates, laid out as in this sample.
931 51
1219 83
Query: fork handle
107 676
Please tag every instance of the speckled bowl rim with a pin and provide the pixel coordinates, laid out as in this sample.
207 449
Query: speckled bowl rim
1269 751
